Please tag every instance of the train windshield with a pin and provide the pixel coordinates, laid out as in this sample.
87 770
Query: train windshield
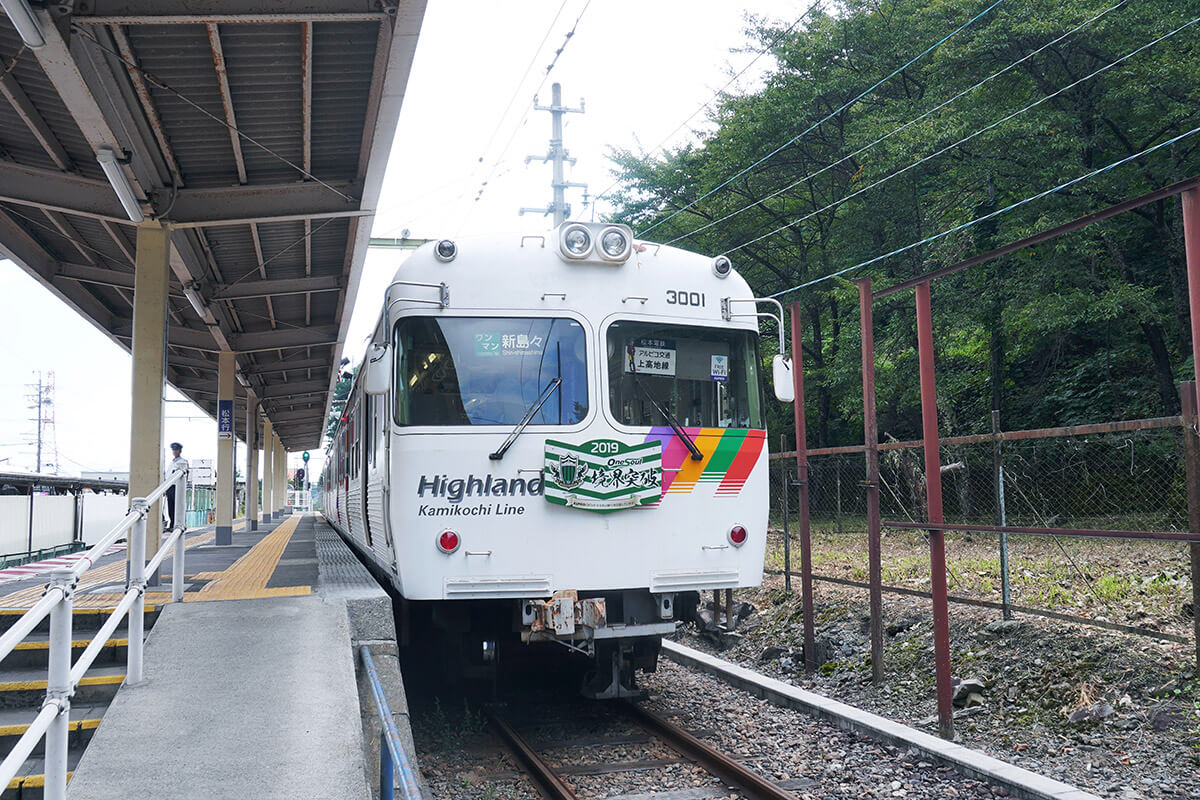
489 370
705 377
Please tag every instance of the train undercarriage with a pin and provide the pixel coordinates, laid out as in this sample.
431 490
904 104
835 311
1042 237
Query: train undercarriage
613 635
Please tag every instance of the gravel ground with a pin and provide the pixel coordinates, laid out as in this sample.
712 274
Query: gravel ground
461 759
788 745
1139 698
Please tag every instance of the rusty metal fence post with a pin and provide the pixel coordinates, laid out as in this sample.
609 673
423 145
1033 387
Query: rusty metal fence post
933 499
806 579
787 536
1191 458
871 484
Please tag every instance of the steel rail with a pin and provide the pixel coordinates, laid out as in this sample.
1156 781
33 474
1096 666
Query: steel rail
552 785
708 757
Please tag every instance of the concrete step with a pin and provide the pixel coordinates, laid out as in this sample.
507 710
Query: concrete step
15 721
30 779
35 650
26 688
83 620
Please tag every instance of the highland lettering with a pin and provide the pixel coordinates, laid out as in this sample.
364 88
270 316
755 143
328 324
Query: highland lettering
456 489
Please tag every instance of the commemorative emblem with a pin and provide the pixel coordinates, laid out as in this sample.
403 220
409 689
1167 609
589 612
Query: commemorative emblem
603 475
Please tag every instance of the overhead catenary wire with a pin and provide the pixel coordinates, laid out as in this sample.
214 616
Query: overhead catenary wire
991 215
962 141
520 123
813 6
828 116
904 126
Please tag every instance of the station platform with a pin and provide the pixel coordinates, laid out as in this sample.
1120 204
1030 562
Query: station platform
250 685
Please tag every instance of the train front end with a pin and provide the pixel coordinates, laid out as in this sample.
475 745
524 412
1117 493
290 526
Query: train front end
576 440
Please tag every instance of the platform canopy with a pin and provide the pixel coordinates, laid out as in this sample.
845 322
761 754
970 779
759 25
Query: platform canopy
261 134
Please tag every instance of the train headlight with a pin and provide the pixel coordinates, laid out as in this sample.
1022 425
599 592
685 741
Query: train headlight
614 244
445 250
576 241
738 536
722 266
448 541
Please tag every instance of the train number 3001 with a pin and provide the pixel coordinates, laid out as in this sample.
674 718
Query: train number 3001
675 298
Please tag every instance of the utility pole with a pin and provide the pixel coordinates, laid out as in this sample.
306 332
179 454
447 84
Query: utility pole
41 399
557 156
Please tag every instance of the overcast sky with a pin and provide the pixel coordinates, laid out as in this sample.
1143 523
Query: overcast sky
641 69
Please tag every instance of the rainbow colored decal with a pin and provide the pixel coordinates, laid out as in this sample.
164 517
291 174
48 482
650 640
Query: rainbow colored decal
729 456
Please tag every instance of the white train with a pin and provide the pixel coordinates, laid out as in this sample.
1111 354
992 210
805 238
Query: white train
559 437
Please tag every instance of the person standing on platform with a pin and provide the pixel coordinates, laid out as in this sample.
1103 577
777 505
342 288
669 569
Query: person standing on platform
178 462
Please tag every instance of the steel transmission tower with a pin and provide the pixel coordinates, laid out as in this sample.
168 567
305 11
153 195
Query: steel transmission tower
40 396
557 156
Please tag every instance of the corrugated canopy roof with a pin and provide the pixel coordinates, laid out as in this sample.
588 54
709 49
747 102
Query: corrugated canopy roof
263 135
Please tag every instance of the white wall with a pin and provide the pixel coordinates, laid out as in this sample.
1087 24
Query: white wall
54 519
100 513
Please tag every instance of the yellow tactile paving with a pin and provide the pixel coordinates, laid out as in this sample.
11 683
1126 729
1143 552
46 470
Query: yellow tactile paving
93 578
247 578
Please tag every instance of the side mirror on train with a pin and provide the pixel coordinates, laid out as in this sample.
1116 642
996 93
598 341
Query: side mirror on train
781 376
378 379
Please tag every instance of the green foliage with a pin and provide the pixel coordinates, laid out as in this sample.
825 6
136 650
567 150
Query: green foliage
341 392
1088 327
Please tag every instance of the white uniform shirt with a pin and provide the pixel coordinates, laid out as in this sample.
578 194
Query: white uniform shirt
179 462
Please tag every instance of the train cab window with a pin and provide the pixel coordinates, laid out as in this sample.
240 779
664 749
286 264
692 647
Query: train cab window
489 370
706 377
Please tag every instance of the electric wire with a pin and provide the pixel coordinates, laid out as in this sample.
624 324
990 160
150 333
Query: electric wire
960 142
827 117
991 215
262 267
900 128
521 122
771 46
517 89
223 123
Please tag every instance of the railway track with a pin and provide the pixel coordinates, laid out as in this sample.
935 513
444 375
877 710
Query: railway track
553 783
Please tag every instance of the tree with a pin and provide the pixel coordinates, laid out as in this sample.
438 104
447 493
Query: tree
341 392
1089 327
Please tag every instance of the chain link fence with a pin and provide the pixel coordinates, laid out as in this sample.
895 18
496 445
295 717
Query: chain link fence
1131 479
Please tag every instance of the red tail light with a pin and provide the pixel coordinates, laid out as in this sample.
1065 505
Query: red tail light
448 541
738 536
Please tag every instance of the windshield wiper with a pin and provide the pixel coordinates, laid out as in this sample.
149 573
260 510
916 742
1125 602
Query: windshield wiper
670 418
525 420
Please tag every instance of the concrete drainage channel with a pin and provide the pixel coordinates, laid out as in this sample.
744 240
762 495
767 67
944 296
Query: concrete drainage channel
1017 781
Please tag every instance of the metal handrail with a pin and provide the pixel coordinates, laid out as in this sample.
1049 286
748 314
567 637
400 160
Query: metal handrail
393 761
58 602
